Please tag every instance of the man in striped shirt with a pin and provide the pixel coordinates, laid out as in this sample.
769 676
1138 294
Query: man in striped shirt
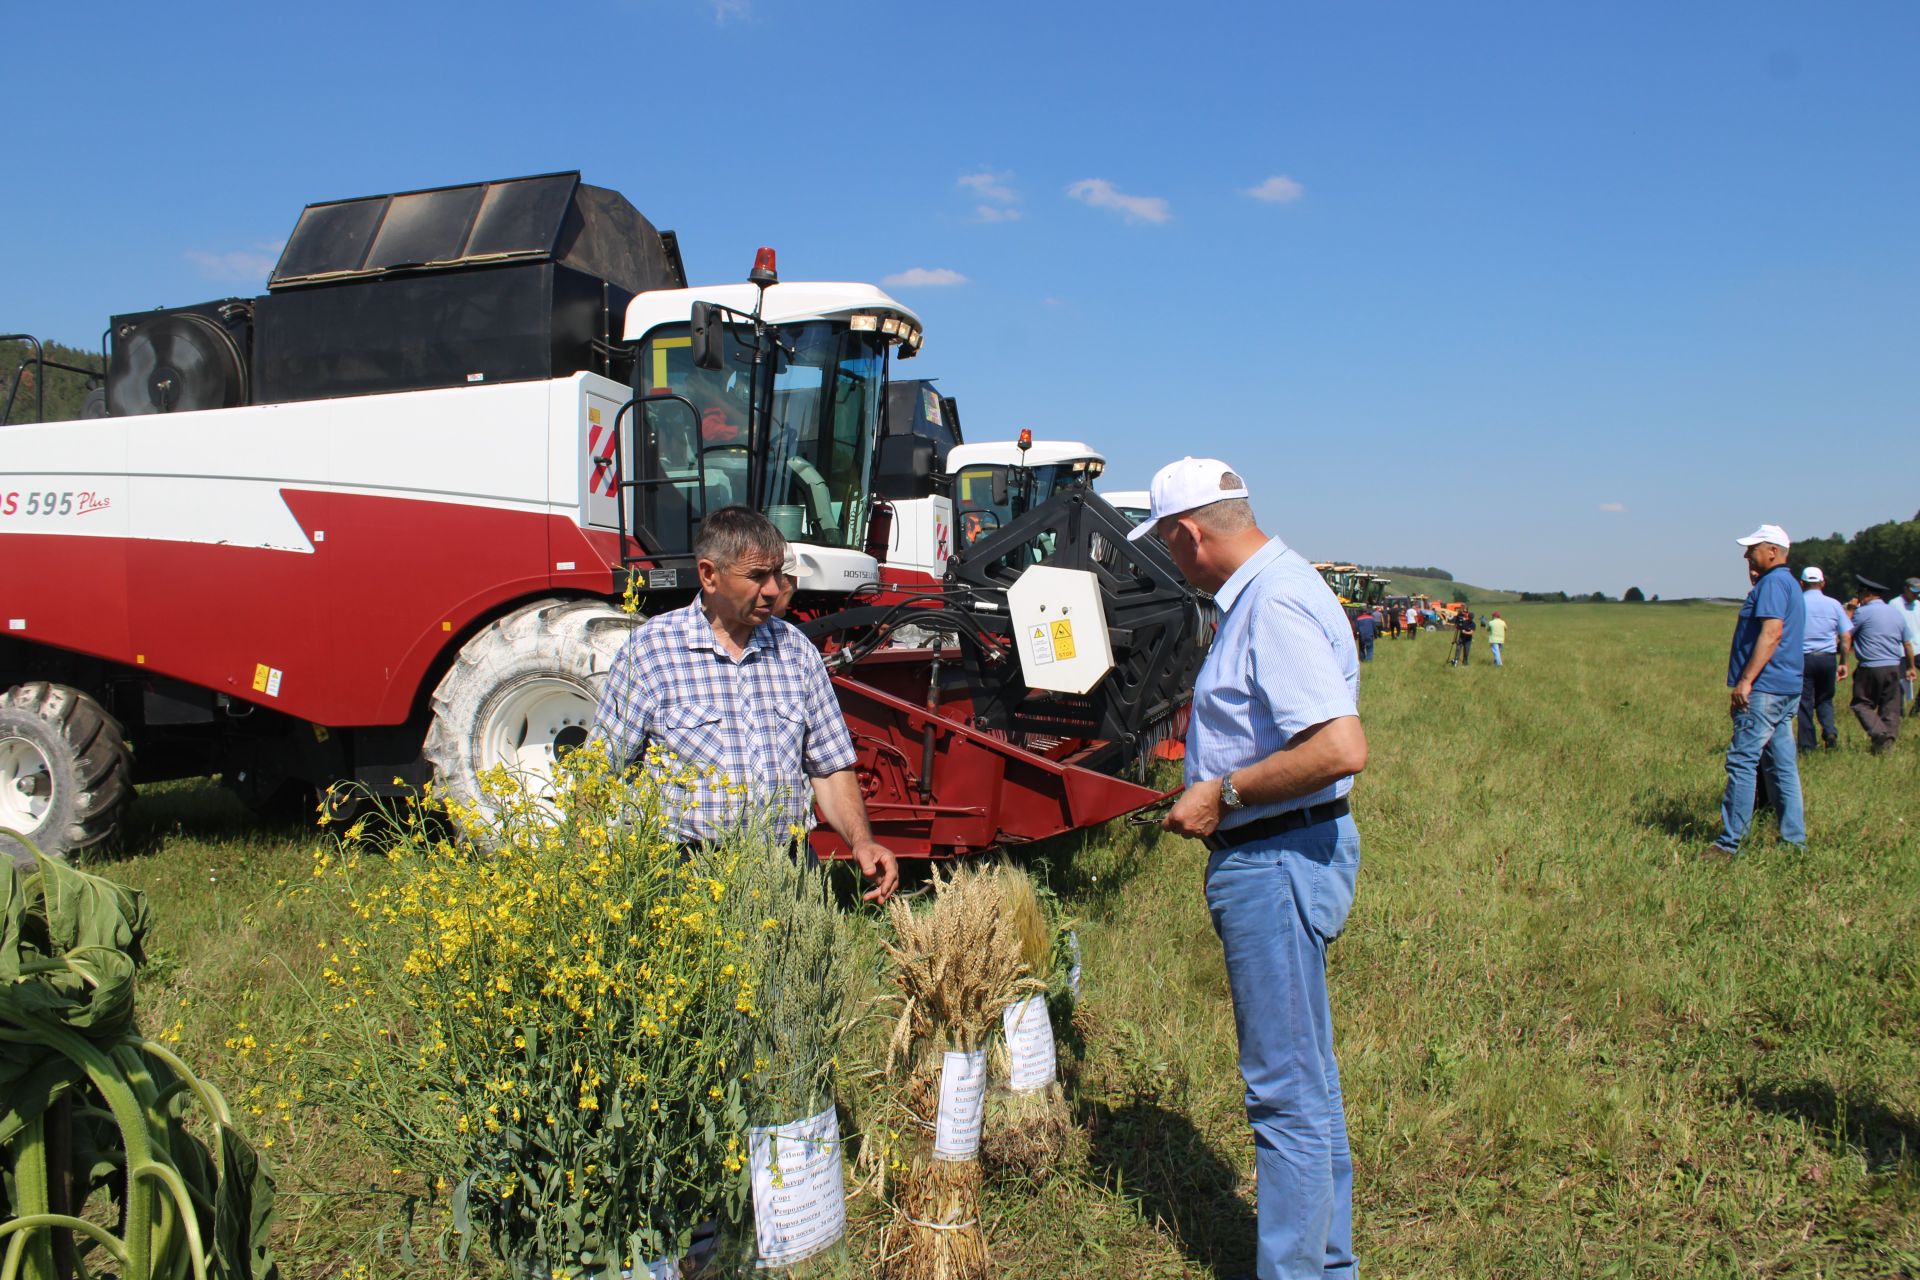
741 700
1273 744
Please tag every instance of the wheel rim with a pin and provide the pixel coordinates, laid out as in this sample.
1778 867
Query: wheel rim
26 785
532 725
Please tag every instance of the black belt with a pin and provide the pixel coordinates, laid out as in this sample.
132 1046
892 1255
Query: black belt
1278 824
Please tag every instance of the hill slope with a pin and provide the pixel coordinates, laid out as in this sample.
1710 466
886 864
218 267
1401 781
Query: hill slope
1440 589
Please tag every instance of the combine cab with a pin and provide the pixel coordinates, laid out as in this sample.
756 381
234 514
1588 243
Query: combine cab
376 526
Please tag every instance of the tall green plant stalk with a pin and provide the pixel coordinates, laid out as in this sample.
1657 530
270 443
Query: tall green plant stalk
88 1097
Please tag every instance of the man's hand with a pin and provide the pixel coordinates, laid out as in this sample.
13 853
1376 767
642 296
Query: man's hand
876 862
838 795
1197 812
1742 695
1840 672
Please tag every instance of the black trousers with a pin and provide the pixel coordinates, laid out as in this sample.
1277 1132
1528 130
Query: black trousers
1817 684
1876 701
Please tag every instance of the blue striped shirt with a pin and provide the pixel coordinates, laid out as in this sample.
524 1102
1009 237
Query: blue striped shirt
1282 662
766 722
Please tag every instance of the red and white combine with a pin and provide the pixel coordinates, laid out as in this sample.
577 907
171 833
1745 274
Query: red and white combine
376 525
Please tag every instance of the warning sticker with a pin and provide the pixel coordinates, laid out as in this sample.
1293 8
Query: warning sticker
1042 643
266 680
1063 640
593 414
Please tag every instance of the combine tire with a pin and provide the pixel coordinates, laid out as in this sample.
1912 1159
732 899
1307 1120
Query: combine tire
522 693
65 775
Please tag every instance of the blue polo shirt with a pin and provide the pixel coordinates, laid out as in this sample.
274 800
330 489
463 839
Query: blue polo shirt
1776 595
1879 632
1827 621
1282 662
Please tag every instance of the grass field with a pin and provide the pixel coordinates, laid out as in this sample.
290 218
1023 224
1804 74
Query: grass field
1570 1045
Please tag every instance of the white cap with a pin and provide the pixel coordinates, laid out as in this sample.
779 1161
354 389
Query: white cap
1182 486
791 565
1766 533
1812 574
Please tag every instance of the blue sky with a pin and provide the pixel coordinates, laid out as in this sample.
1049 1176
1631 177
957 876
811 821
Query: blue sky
1551 295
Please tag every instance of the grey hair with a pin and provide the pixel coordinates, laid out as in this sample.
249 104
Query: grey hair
1229 515
732 533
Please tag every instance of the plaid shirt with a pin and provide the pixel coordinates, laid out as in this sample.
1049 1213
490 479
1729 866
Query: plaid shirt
768 721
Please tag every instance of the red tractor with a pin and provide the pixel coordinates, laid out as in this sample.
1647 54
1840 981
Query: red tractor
378 523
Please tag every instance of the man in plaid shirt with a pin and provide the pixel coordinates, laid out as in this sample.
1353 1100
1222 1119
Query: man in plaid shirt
742 699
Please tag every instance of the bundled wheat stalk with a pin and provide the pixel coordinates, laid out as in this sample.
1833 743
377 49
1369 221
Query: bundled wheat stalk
958 965
1027 1128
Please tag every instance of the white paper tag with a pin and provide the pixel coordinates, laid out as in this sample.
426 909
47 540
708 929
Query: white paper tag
799 1189
1073 973
1030 1055
963 1094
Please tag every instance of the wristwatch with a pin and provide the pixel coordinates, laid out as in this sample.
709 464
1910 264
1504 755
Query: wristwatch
1230 794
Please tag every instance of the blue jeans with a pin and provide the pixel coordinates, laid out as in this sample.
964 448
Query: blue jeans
1366 649
1495 646
1276 905
1766 724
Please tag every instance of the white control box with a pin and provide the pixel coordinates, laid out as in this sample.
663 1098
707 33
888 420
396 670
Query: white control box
1060 626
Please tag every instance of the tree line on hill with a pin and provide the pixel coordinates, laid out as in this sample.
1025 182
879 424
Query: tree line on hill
66 392
1409 571
1888 552
1633 595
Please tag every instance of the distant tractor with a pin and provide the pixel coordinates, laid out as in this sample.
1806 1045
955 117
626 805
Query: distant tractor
1134 504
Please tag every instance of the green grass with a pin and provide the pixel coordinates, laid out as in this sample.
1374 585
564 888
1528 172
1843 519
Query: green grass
1570 1045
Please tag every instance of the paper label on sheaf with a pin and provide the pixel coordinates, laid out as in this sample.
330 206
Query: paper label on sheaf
799 1190
1030 1053
963 1093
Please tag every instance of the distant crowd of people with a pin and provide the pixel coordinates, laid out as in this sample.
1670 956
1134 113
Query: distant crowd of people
1394 621
1792 645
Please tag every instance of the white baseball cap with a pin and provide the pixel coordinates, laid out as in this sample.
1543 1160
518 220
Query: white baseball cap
1766 533
1182 486
1812 574
791 564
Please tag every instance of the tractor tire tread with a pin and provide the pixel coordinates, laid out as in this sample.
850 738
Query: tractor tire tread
580 635
93 754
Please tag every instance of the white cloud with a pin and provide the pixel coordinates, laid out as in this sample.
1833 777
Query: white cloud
1101 194
997 187
1279 189
725 11
923 277
1613 508
994 213
250 266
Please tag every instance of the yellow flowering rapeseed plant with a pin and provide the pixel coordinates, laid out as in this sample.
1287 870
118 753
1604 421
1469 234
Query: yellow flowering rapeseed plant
545 1003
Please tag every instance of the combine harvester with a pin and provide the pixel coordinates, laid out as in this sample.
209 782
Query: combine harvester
375 526
1356 589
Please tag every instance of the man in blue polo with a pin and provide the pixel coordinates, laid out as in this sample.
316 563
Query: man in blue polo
1824 653
1764 671
1273 744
